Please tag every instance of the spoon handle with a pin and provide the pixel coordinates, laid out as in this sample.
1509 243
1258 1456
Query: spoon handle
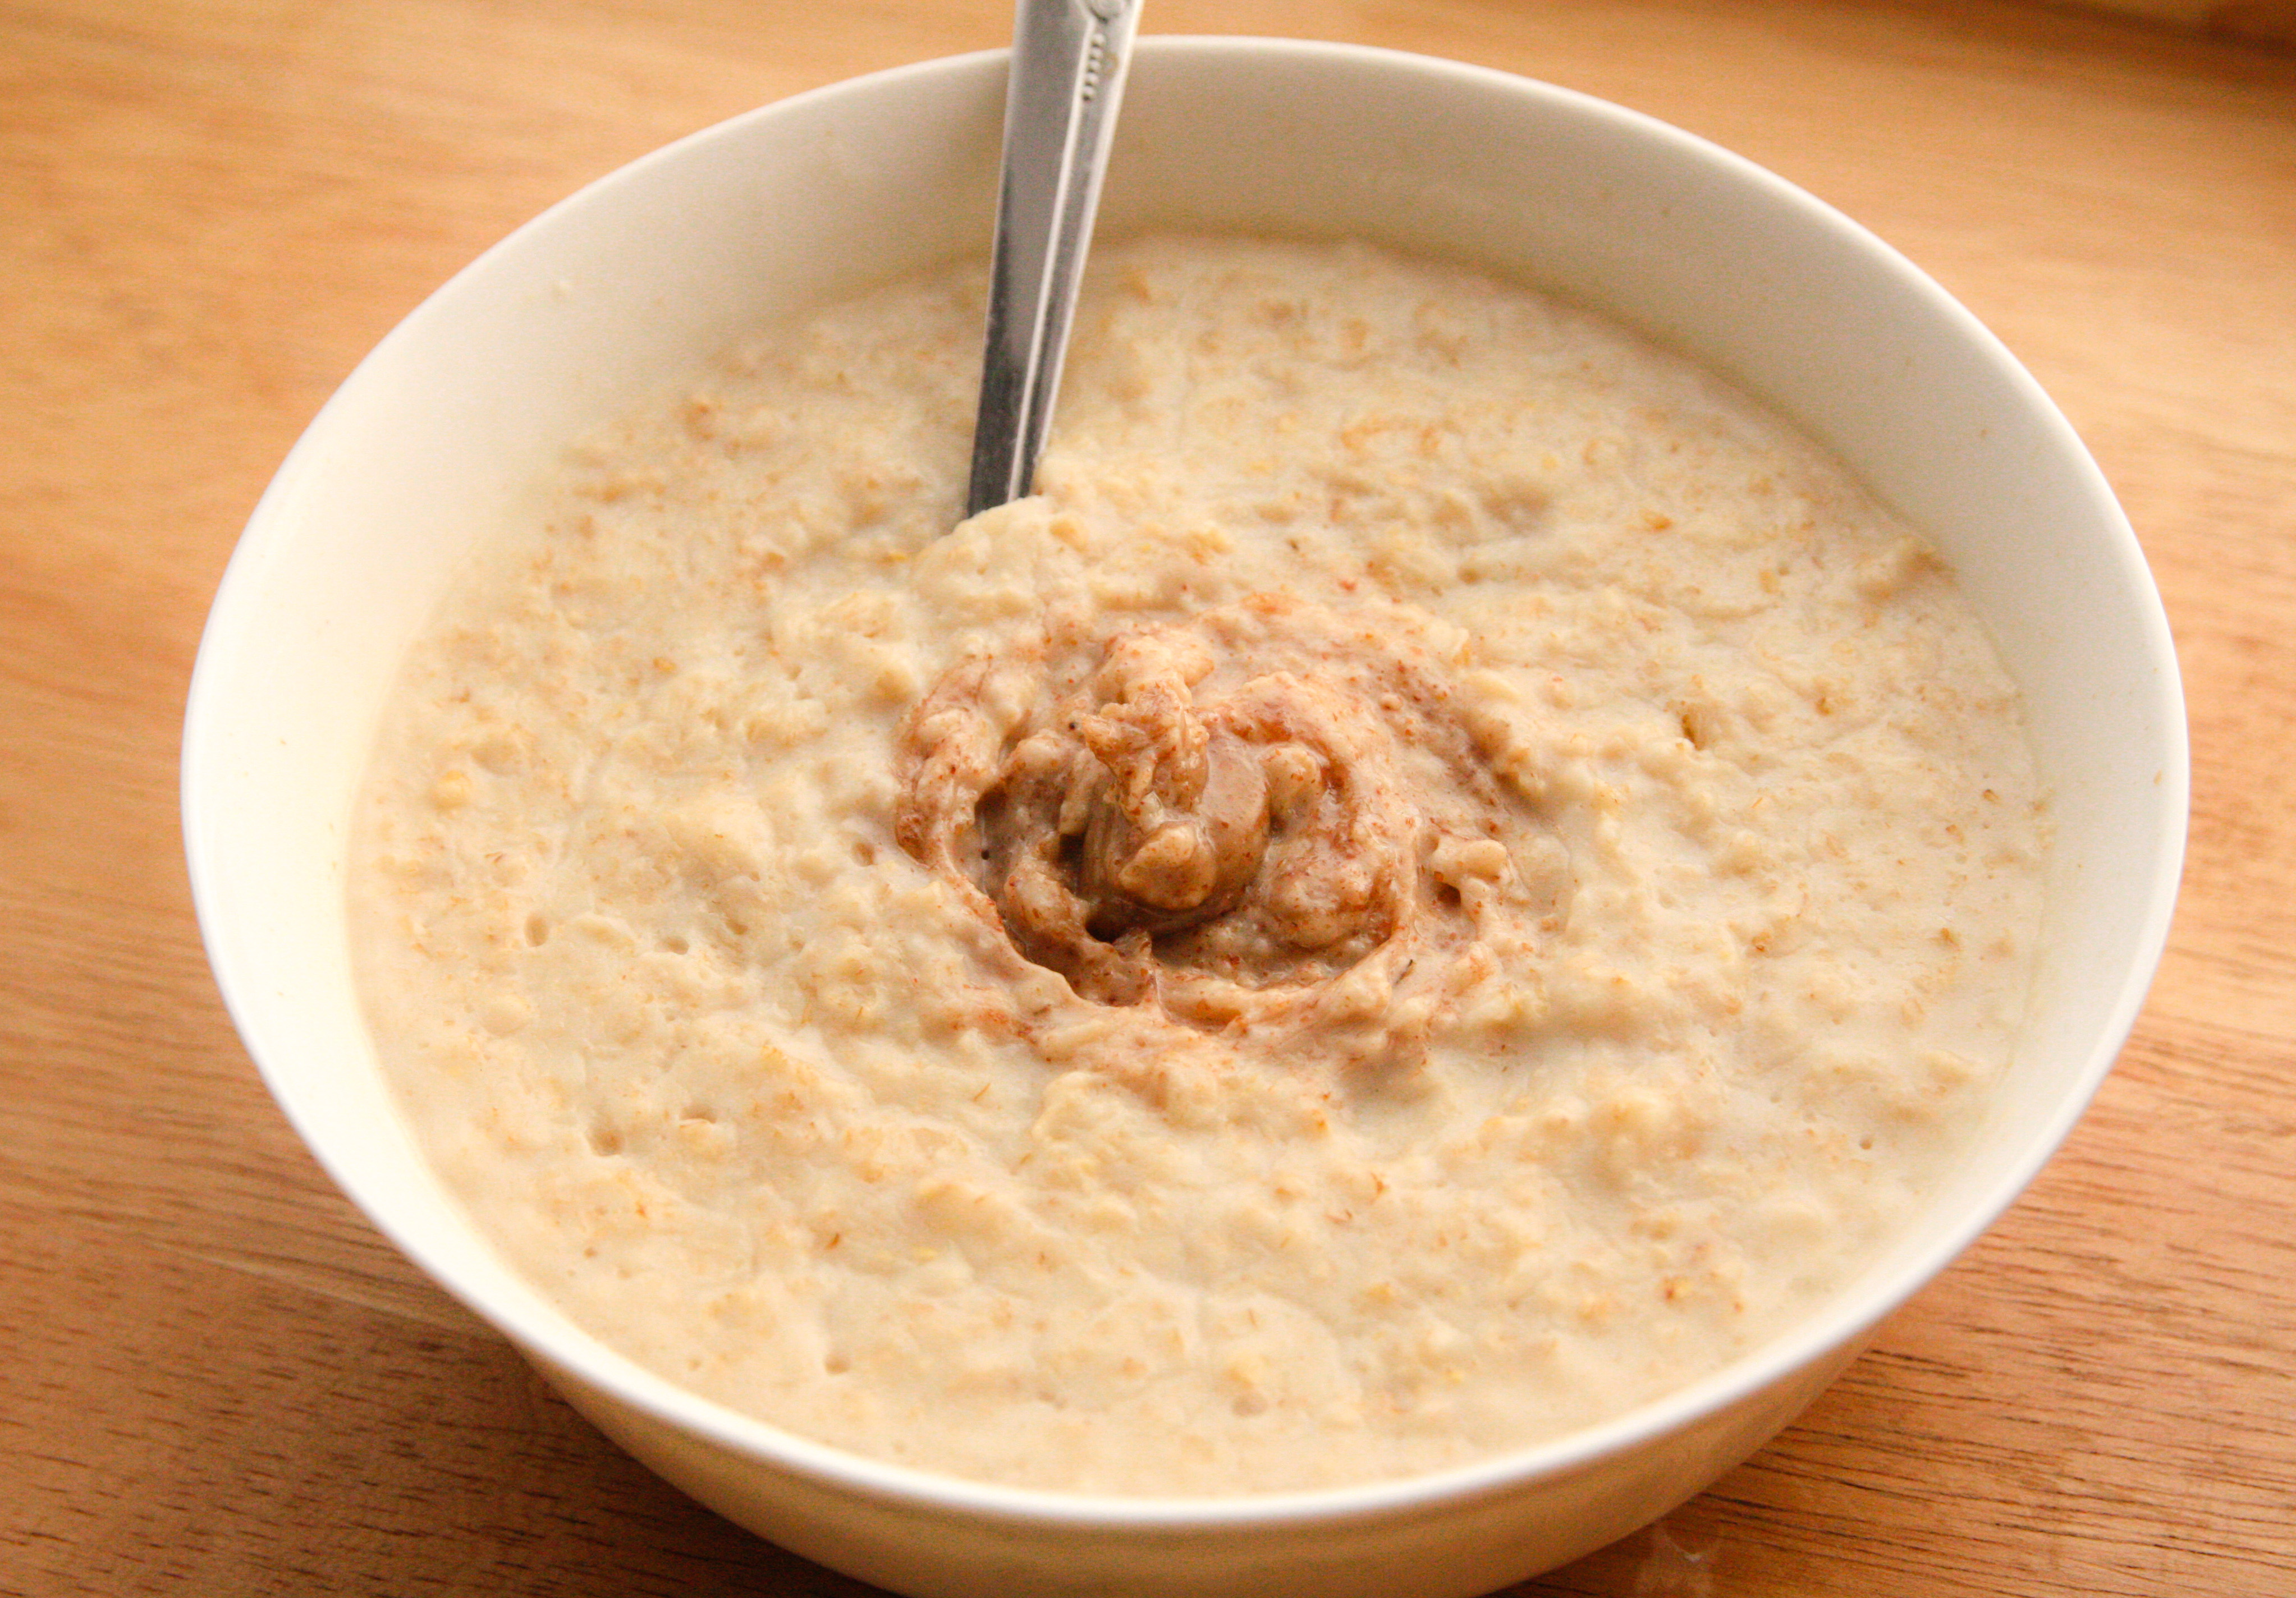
1068 58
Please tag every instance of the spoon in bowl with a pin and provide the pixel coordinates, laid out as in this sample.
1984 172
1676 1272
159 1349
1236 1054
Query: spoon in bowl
1069 60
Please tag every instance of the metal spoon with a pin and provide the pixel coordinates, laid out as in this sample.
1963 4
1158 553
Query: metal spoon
1068 58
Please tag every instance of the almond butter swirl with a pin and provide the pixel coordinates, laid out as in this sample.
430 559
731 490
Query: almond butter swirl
1268 821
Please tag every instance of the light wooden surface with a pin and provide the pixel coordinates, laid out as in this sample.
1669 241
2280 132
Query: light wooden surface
214 1379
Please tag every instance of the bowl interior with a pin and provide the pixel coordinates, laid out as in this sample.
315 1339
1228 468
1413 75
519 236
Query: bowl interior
437 437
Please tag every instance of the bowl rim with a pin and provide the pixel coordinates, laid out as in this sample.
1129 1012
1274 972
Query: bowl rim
1843 1320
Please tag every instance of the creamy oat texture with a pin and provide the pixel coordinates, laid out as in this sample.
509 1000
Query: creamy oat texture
1444 876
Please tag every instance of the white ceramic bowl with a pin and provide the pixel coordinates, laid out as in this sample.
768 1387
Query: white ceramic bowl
648 272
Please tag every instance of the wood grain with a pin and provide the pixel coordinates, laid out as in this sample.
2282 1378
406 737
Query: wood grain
217 1380
2269 21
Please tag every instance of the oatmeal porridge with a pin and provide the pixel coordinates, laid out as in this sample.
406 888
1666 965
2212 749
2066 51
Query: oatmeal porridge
1445 875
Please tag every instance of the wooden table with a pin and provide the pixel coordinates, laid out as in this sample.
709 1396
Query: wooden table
214 1379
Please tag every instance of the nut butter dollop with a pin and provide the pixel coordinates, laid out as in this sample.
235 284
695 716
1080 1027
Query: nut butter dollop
1269 821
